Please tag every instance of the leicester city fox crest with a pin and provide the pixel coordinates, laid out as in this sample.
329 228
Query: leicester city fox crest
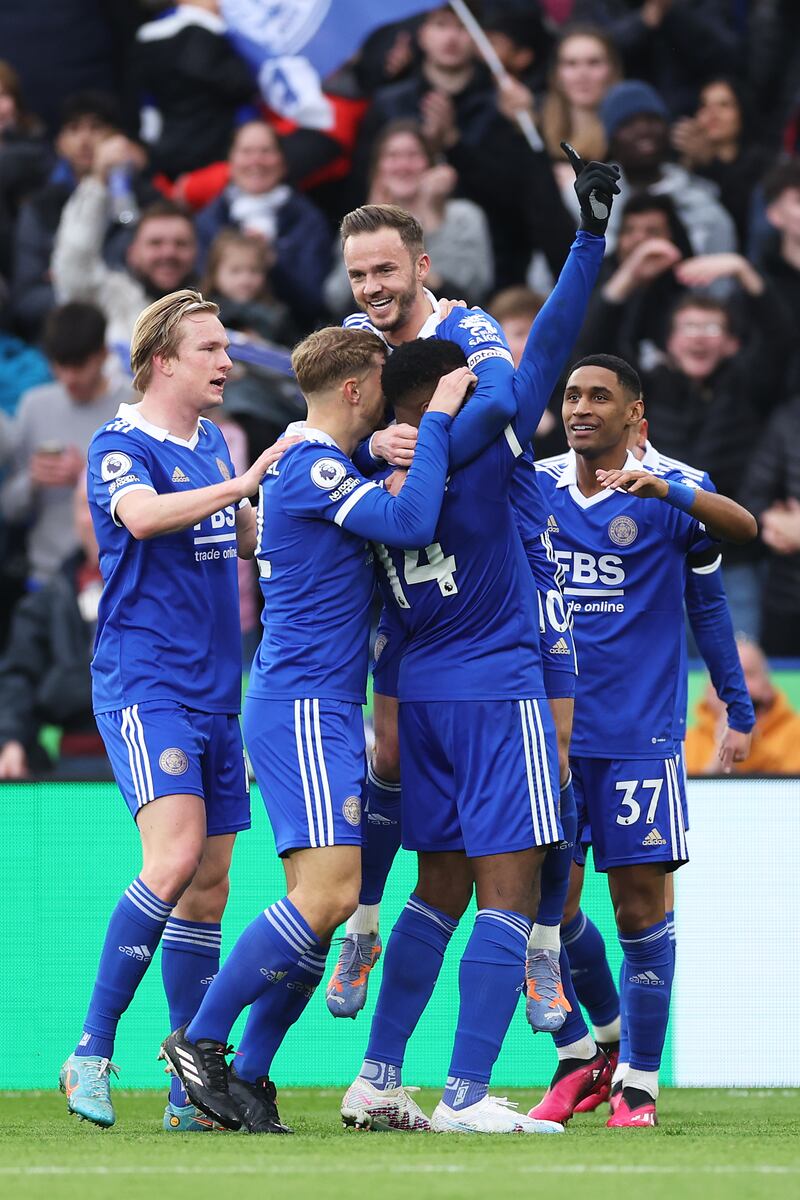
623 531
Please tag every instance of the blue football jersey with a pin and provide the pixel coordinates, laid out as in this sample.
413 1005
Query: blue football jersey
168 623
315 518
625 563
468 600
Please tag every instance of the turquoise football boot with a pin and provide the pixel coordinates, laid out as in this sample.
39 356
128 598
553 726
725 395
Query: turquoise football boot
86 1084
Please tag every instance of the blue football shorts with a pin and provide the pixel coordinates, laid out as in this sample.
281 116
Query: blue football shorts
310 761
556 641
159 748
391 640
479 776
631 811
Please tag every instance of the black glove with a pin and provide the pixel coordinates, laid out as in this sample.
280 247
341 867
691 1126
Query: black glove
596 185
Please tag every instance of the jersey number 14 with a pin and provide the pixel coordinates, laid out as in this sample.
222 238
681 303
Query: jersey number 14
434 568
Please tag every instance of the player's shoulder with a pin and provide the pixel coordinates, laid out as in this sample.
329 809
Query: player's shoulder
675 468
552 468
315 465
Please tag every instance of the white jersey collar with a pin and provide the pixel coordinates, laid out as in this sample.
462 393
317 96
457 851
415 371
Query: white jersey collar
301 429
652 459
131 415
569 478
430 325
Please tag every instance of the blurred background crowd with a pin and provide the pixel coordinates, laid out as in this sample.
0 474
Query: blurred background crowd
138 155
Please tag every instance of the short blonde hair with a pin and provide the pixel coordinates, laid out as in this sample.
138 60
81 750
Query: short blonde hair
331 355
157 331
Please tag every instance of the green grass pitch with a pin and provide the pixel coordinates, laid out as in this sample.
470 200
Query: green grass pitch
711 1144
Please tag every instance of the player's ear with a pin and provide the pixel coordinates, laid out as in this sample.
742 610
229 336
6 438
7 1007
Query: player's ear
350 391
423 267
162 365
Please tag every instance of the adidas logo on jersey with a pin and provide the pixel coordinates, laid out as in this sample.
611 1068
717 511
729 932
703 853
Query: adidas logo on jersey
140 953
560 647
648 978
179 477
552 524
654 838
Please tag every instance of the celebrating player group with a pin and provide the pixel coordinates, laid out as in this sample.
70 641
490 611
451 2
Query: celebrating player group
529 681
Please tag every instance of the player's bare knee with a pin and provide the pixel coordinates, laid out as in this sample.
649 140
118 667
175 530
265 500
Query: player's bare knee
172 874
445 881
386 757
204 904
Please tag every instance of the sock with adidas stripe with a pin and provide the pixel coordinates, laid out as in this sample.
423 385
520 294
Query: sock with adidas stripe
189 961
492 969
648 969
132 938
274 1013
380 830
411 965
591 974
555 877
266 951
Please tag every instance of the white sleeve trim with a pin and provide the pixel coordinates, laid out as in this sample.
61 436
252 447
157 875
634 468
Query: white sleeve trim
244 502
513 441
710 568
132 487
351 501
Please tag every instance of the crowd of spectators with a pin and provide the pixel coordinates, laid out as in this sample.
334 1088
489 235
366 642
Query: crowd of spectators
137 156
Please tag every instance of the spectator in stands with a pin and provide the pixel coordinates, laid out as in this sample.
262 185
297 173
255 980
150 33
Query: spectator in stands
191 75
587 64
405 172
258 200
636 123
772 493
521 42
453 97
44 672
712 143
24 159
516 308
262 396
87 119
630 309
775 748
52 430
161 257
780 259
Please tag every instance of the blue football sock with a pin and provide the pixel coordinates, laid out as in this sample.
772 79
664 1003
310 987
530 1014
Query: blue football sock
380 831
557 864
673 941
489 983
274 1013
574 1027
648 984
624 1043
189 961
591 974
411 966
134 932
270 946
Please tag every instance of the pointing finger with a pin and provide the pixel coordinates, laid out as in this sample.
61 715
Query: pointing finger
575 160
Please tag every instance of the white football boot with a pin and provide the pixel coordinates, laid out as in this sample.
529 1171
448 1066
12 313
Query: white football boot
367 1107
492 1114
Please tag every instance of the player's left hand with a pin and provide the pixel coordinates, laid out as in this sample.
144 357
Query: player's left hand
394 482
638 483
445 307
596 185
733 748
395 444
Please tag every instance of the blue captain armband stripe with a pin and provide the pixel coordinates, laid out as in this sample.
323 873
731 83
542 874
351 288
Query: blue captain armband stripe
680 495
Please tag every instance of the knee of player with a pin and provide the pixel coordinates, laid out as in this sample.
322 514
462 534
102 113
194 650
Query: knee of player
563 760
386 757
341 906
172 872
638 910
206 903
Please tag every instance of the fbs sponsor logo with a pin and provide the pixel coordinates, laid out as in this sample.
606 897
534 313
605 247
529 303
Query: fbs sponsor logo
178 476
559 647
647 978
654 838
140 953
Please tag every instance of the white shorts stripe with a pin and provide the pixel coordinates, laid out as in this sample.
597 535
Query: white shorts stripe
673 768
145 756
131 757
529 769
548 790
323 773
671 800
312 768
312 836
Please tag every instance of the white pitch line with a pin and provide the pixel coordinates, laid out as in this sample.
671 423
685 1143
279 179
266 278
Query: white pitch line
301 1168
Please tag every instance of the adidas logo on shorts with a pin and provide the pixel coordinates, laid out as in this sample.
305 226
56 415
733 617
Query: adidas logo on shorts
560 647
179 477
654 838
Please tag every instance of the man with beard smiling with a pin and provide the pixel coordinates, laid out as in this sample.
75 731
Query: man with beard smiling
161 258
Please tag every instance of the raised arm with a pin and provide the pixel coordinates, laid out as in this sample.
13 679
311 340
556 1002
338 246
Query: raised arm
722 517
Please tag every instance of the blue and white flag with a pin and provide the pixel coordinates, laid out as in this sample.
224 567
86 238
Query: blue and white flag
294 44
